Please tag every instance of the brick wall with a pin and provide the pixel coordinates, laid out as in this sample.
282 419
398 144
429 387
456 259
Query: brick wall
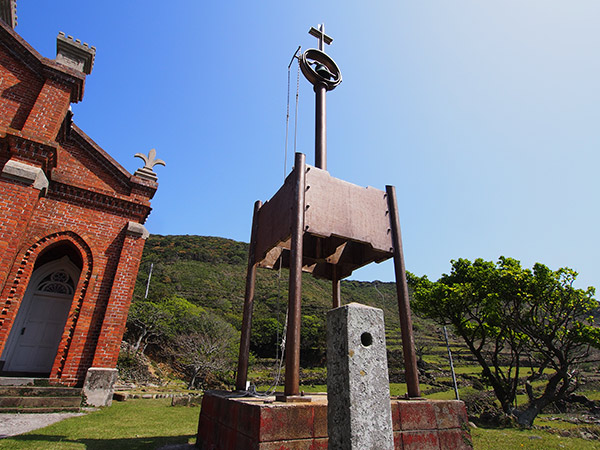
20 89
88 203
49 109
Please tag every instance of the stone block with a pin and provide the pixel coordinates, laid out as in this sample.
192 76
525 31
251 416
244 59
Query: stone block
288 421
25 173
420 440
180 401
450 414
209 405
195 400
395 408
205 428
231 416
120 396
137 229
358 395
98 387
255 424
8 12
296 444
248 422
72 53
417 415
398 440
455 439
244 442
320 422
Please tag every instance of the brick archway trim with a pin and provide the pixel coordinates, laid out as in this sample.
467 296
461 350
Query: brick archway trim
20 275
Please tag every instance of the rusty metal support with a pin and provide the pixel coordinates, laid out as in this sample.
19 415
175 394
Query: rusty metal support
336 288
292 346
408 342
320 127
242 372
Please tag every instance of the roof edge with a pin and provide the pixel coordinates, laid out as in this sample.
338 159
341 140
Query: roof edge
127 178
41 65
101 152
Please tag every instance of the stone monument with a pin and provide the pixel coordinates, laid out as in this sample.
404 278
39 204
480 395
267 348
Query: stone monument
359 414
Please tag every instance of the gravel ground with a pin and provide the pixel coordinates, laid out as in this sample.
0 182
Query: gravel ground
14 424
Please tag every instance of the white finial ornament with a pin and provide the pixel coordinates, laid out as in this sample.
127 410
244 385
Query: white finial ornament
149 162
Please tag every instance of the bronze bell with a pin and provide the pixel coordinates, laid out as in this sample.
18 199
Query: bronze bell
323 71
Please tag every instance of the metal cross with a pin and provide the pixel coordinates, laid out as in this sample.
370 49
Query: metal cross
320 35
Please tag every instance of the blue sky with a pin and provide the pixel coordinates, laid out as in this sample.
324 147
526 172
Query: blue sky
484 115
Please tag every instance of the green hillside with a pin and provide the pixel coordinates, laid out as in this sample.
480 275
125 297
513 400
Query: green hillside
190 322
210 272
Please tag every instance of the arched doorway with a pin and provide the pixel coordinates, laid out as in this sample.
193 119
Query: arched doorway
35 336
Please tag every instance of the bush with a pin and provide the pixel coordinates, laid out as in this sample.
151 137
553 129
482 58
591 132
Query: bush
133 367
483 409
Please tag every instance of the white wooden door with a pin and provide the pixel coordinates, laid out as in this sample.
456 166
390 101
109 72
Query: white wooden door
39 334
35 336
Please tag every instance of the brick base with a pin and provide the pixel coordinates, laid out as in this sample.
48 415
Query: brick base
231 423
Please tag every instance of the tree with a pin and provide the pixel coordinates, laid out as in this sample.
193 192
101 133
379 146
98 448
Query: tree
313 344
510 317
266 336
152 322
199 342
201 355
146 323
556 318
206 350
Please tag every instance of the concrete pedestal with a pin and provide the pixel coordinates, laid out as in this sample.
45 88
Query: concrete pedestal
98 387
358 386
250 423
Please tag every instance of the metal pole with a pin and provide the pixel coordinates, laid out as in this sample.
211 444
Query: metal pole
148 283
322 38
451 364
320 127
292 347
408 342
242 373
336 288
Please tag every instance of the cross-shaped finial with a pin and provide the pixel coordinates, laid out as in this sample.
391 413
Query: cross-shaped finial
321 36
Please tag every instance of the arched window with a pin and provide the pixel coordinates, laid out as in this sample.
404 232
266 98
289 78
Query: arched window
59 282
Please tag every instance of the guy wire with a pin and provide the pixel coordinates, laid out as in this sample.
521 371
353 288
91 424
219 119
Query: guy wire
287 121
287 114
280 349
296 114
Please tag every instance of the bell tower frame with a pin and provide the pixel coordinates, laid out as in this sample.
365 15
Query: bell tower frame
322 225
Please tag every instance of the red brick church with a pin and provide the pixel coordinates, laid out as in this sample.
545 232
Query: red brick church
71 222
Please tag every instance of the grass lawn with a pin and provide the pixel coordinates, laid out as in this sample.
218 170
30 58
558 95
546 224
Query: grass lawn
592 395
130 425
148 424
508 439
